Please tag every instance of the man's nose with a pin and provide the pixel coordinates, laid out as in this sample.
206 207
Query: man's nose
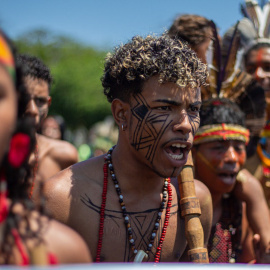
31 108
231 155
183 124
260 73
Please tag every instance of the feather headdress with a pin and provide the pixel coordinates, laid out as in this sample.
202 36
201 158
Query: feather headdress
254 28
259 15
226 80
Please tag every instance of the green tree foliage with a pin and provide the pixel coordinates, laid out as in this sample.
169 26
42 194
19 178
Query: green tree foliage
77 92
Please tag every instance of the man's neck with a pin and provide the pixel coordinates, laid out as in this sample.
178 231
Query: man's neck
133 176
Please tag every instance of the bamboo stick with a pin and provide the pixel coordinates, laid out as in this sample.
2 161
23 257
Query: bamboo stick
190 210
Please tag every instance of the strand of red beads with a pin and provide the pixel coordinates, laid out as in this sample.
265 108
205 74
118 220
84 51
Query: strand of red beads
166 222
102 211
34 171
166 190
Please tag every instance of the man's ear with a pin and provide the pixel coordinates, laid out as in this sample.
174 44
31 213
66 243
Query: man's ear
49 100
120 112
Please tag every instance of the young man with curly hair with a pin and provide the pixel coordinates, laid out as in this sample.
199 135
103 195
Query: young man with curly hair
50 156
123 203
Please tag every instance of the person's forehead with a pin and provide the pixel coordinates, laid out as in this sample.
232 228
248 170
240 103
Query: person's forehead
153 89
224 142
262 53
37 87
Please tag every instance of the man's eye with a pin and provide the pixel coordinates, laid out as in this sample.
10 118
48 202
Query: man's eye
266 68
40 101
164 108
194 108
218 148
251 69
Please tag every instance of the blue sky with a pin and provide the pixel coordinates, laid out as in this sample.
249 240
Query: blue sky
107 23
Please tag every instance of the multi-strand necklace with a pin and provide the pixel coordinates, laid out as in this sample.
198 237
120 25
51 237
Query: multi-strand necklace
167 196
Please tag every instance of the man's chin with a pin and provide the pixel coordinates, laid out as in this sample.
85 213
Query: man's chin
33 123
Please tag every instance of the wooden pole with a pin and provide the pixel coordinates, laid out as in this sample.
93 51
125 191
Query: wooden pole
38 255
190 210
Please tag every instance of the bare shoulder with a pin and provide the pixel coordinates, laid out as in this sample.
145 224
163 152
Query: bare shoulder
205 198
66 187
247 186
61 151
66 244
202 192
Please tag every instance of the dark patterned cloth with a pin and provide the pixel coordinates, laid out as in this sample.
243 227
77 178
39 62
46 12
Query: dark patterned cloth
224 244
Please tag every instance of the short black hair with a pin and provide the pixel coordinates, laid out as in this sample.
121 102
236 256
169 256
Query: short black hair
221 110
35 68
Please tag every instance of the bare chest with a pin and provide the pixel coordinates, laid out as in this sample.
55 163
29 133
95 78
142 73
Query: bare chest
113 230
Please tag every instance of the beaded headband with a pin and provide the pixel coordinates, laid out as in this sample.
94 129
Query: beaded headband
221 132
6 57
266 130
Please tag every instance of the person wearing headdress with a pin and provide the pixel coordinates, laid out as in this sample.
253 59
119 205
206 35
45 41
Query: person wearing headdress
28 236
252 102
255 47
255 41
50 155
219 154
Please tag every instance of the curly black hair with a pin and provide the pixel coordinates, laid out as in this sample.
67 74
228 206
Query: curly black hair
35 68
221 110
142 58
192 28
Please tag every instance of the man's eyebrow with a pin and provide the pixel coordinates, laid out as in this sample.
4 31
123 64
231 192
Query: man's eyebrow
175 103
168 101
196 103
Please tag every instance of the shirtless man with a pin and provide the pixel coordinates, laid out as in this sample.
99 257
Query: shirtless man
50 156
153 85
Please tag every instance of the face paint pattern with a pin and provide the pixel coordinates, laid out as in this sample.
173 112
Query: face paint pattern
149 129
194 122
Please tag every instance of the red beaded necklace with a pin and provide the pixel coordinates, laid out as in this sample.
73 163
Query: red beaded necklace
34 171
166 190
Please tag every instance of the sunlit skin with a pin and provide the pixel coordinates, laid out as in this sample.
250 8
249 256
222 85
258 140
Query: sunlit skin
217 164
258 65
162 115
8 109
51 128
52 155
39 100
